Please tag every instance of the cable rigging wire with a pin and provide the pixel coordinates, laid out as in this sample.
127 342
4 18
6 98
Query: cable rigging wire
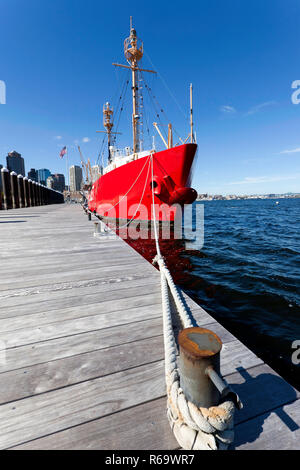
167 88
122 106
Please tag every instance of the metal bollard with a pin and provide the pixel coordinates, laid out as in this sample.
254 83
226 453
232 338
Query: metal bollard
199 367
14 190
89 216
21 190
96 229
6 186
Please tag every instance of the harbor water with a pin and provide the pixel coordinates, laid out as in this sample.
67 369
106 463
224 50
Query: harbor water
246 274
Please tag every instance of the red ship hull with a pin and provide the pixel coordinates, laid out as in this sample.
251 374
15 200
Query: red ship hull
126 191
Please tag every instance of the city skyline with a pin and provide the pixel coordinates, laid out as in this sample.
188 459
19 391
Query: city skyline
245 120
35 174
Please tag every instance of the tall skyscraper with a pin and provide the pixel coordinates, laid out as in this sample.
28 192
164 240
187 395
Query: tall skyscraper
58 182
75 178
15 163
43 174
33 175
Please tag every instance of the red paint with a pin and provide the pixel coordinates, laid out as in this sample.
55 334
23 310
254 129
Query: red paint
172 176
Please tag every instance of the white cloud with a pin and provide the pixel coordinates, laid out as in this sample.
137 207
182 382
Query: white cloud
258 107
291 151
266 179
227 109
58 137
86 139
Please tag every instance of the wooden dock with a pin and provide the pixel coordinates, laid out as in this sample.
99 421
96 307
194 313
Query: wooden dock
83 361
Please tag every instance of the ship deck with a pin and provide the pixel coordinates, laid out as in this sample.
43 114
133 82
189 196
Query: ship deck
83 362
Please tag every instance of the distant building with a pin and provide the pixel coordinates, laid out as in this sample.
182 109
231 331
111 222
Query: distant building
50 182
15 163
96 171
1 166
43 174
75 178
58 182
33 175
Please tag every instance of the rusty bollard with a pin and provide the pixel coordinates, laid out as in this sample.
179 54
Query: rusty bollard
199 367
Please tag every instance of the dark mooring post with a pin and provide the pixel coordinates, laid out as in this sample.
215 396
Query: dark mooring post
7 199
14 190
30 193
26 192
39 194
21 191
35 197
37 189
199 366
34 193
44 195
47 195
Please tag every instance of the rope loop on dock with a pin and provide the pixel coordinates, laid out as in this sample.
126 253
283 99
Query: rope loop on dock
194 428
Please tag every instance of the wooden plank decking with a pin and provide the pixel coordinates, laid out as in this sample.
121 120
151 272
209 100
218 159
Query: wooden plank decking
83 368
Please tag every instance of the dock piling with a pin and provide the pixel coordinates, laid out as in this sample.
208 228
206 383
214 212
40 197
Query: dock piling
6 188
30 193
34 193
14 190
21 191
26 192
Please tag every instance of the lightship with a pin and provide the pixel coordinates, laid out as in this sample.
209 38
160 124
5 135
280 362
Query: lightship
124 190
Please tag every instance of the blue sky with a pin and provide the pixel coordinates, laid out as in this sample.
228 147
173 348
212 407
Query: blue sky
241 56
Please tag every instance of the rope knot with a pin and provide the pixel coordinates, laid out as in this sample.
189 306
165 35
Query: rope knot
157 259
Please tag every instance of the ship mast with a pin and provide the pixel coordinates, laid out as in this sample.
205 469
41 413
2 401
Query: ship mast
108 124
133 51
107 113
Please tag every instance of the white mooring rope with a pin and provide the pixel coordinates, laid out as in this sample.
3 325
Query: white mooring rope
194 428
